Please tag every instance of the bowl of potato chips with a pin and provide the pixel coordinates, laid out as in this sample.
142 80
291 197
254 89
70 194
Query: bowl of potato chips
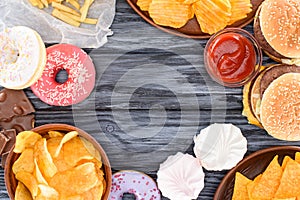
272 173
57 161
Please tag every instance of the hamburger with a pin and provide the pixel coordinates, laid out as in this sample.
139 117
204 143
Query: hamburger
272 101
277 30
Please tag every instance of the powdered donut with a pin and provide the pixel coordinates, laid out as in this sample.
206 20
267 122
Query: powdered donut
142 186
22 57
81 76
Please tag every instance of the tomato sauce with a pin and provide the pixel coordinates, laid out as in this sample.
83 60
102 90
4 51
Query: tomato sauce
231 57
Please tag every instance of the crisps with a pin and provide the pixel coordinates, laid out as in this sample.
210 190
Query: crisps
75 174
212 15
29 181
22 193
239 10
83 175
170 13
251 185
26 139
24 162
44 159
65 139
144 4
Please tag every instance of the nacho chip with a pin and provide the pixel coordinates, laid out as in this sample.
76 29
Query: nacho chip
26 139
297 157
170 13
239 10
251 185
144 4
212 15
290 182
22 193
268 184
240 191
24 162
286 159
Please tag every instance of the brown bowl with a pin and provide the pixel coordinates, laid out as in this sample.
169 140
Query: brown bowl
252 166
10 180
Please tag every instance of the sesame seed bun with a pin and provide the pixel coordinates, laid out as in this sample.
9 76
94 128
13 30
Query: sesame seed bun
280 110
280 26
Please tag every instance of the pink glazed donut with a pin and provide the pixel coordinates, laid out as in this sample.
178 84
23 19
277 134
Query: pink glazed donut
81 76
141 185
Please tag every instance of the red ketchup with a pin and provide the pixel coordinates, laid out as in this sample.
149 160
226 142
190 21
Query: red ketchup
231 58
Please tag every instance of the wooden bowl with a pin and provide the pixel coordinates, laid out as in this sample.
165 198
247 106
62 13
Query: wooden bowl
10 180
252 166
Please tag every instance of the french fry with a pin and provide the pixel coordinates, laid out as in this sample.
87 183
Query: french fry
45 3
56 13
64 8
84 9
74 3
77 18
33 2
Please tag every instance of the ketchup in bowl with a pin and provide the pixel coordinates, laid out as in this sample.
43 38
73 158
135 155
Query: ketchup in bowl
232 57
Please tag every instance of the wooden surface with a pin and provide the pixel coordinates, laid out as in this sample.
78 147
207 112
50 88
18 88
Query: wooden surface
152 96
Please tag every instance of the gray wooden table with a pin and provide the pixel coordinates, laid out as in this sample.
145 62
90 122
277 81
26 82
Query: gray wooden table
152 96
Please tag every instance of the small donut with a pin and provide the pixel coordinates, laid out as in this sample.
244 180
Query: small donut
22 57
139 184
81 76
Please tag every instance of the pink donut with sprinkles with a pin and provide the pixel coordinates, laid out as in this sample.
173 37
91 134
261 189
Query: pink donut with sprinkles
81 76
139 184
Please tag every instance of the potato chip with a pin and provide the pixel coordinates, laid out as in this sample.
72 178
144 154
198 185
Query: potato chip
188 1
267 186
53 134
24 162
44 159
84 176
239 10
91 148
67 137
74 151
170 13
47 193
144 4
94 193
38 174
22 193
290 182
212 15
29 181
240 191
26 139
292 198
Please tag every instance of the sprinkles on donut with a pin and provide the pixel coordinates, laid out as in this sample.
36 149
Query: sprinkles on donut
81 76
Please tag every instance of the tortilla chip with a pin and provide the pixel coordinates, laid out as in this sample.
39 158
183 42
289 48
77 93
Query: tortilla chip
240 191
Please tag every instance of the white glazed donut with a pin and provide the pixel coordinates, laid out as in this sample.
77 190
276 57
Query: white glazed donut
22 57
141 185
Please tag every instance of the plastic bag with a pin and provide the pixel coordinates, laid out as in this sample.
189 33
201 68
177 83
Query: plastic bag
52 30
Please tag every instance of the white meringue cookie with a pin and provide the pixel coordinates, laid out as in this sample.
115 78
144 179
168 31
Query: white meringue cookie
220 146
180 177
